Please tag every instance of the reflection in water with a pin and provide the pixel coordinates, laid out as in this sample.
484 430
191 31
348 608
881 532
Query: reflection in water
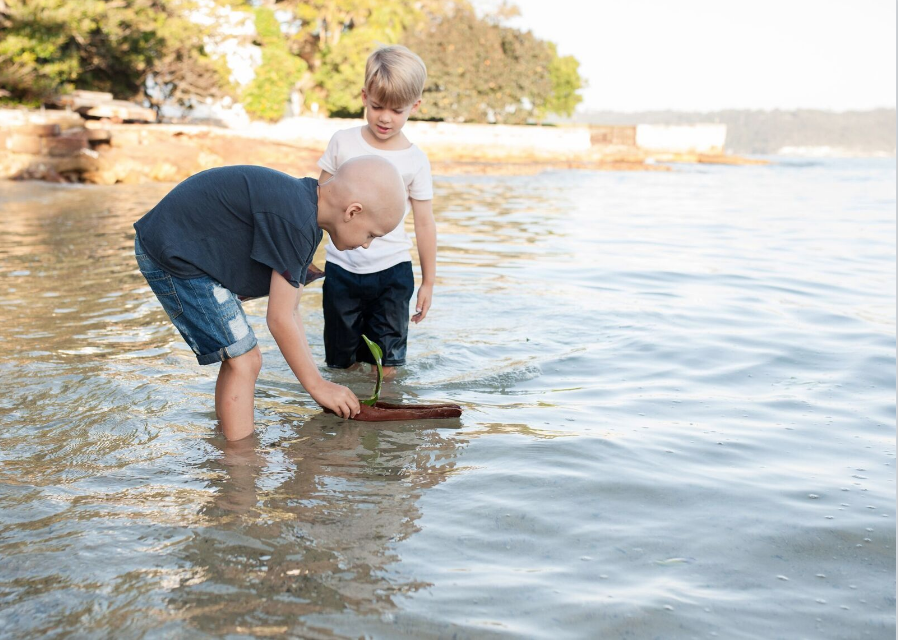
71 286
307 525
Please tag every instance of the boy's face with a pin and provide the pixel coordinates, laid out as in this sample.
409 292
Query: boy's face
385 122
357 231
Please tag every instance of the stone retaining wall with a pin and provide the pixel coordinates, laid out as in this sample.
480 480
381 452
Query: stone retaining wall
55 146
549 140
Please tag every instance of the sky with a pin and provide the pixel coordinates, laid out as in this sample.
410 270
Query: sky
706 55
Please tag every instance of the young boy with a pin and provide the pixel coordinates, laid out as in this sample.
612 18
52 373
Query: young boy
368 290
240 232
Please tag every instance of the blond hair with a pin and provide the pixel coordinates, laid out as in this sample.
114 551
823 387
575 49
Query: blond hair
395 76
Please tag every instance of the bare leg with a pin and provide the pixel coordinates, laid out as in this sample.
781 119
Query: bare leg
389 372
234 391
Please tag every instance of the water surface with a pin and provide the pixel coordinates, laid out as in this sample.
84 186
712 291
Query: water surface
679 394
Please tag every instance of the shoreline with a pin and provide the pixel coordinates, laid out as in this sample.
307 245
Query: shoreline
59 146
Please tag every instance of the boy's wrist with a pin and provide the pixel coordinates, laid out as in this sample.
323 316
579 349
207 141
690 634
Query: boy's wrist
312 383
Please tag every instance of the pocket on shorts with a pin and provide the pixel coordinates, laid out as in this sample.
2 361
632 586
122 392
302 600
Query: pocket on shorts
162 285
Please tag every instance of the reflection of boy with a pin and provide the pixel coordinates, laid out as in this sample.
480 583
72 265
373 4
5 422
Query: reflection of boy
368 291
245 231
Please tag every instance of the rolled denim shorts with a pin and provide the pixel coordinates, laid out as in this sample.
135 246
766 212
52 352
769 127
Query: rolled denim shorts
208 316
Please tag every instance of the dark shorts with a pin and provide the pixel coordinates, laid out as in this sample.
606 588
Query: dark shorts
375 304
208 316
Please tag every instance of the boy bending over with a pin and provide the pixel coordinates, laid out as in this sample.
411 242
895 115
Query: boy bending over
238 232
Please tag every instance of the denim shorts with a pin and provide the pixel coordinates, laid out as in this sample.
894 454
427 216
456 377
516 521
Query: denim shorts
375 304
209 317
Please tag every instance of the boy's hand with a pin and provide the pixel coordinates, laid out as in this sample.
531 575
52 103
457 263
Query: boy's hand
337 398
422 305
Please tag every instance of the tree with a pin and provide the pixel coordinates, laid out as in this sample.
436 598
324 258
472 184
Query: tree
566 81
267 95
54 46
480 71
335 38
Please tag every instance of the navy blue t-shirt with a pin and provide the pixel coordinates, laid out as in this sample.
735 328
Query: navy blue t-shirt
235 224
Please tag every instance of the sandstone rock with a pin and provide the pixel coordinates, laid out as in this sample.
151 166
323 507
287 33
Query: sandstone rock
18 143
123 139
64 145
98 135
208 160
122 110
65 119
41 130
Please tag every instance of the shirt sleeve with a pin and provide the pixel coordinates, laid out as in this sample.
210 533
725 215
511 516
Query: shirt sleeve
328 162
421 186
280 245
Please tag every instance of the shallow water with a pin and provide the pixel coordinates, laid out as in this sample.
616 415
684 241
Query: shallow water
680 422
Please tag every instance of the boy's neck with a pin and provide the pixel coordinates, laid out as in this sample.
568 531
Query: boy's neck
323 219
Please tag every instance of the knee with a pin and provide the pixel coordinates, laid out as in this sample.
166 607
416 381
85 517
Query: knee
249 364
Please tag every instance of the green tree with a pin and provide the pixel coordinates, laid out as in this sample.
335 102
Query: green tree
480 71
566 81
267 95
336 37
54 46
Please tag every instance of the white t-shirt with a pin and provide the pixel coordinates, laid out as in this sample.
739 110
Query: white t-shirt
413 165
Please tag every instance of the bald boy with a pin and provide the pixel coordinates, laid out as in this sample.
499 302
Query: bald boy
238 232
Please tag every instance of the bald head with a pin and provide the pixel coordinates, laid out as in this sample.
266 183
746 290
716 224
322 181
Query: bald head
375 183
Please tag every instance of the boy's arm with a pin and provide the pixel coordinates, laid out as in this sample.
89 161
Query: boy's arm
285 323
426 240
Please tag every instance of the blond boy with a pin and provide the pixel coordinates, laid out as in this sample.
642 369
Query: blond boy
368 290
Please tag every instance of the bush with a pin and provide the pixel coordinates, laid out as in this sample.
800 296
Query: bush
267 95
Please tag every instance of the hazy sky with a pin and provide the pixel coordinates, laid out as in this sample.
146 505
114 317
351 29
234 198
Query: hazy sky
717 54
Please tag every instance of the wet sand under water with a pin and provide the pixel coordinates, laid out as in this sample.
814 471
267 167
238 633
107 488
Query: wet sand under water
679 394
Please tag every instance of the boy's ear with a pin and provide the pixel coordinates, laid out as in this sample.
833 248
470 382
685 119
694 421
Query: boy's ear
364 97
415 107
352 211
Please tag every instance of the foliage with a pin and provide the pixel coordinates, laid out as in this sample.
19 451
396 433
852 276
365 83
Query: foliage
51 45
342 73
566 81
378 355
479 70
54 46
183 69
336 37
482 72
267 95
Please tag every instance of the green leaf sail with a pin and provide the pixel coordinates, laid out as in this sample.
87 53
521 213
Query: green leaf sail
378 355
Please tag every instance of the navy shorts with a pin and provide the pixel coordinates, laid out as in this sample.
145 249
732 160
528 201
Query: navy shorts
375 304
208 316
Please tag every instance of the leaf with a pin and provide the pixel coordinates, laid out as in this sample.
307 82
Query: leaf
378 355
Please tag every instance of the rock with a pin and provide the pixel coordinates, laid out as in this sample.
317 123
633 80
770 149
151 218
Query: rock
208 160
19 143
122 111
64 145
125 138
98 135
40 130
79 99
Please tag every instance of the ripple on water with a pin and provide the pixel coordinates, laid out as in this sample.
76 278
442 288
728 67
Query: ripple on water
679 414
